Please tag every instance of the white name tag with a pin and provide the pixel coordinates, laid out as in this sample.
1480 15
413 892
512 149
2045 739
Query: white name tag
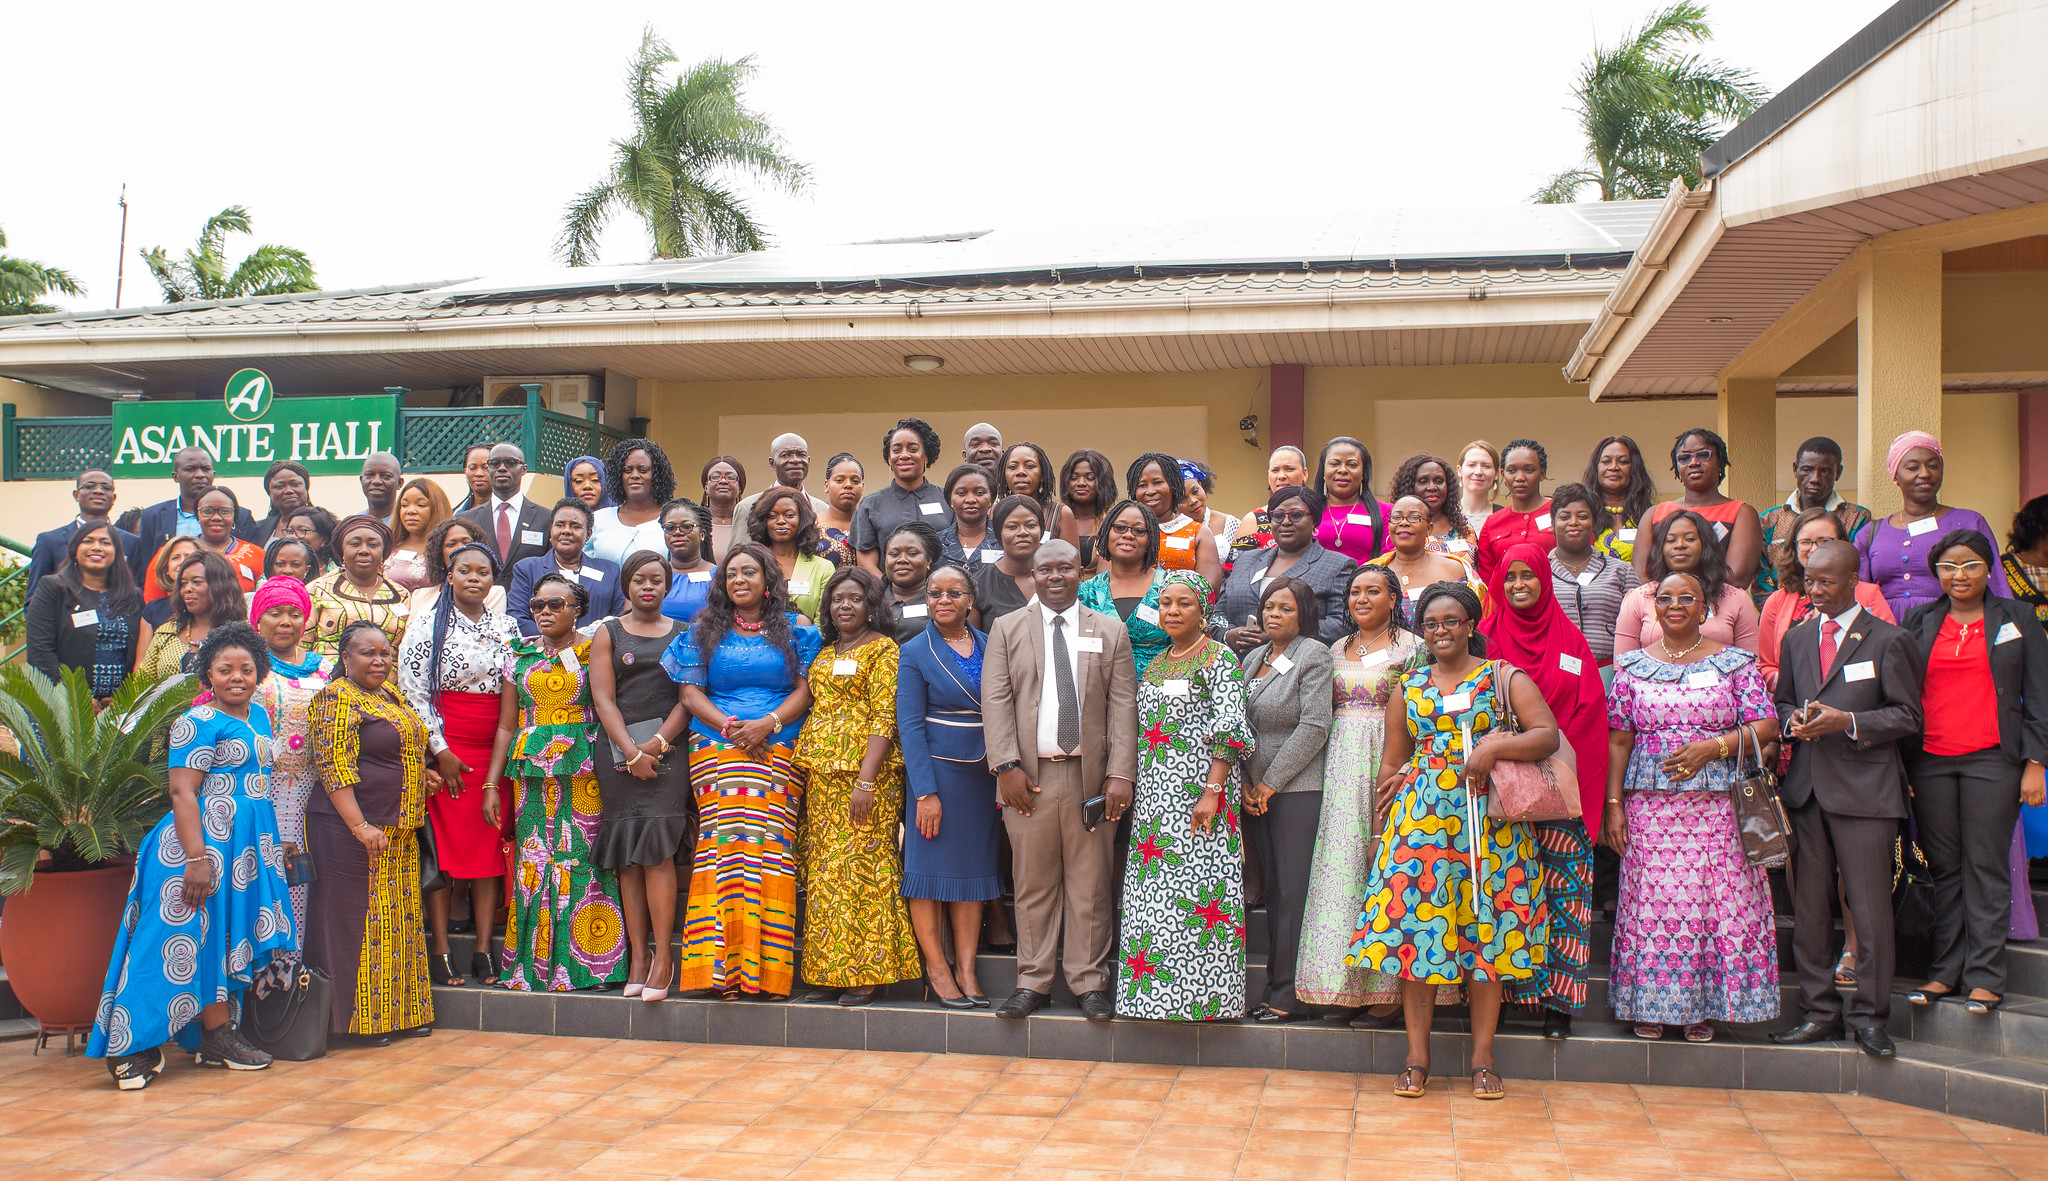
1045 537
1457 545
990 555
1178 542
1543 522
1570 664
1628 535
1585 578
845 668
1862 670
914 611
799 586
88 618
699 576
931 510
1720 531
1175 688
1281 664
1414 592
531 537
1457 701
247 573
401 609
1925 525
1088 643
1375 659
569 661
589 575
1148 613
2005 634
1705 678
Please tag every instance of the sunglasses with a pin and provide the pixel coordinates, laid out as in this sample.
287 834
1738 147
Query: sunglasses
551 603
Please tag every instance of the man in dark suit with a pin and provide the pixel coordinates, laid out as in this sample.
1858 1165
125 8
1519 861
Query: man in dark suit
1848 692
516 526
94 495
192 468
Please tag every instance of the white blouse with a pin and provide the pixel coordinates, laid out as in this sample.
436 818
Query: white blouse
473 659
612 541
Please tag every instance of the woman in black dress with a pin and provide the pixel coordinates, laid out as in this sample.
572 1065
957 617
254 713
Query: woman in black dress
1019 525
910 553
650 810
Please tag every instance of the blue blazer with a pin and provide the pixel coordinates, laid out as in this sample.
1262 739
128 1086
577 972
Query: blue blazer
159 524
47 556
938 711
607 597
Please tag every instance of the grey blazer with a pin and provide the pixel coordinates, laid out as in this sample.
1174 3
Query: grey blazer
1289 714
1327 573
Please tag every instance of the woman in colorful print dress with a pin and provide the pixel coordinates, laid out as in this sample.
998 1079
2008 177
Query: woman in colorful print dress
197 930
858 932
742 666
1181 936
566 930
1694 940
280 609
1185 543
358 589
1425 919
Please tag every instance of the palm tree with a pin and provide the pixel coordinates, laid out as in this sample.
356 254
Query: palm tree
1649 109
689 139
23 283
268 270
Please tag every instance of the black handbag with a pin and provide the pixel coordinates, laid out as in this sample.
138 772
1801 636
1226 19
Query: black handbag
431 876
290 1021
1760 818
1914 915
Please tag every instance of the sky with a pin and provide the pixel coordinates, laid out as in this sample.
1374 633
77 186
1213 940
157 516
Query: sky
397 143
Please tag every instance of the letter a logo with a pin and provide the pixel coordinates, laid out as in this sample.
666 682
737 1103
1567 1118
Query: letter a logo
248 395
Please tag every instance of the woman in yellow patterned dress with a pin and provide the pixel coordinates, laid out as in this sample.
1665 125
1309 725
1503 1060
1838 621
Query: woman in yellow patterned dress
358 588
567 930
857 932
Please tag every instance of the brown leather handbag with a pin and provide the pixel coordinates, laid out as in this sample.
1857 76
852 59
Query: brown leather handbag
1547 789
1760 818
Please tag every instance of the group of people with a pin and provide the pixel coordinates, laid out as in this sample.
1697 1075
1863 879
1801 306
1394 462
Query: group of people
832 730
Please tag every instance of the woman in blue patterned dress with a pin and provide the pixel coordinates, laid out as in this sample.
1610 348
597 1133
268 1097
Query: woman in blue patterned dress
197 930
1181 939
1425 919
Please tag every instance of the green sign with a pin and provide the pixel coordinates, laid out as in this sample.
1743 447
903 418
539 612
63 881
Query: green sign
251 428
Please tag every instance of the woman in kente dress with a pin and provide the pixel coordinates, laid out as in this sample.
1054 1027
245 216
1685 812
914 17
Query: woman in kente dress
1181 935
742 666
281 609
1425 919
857 929
567 930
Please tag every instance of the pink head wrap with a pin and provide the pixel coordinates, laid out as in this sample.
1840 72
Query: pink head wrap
281 591
1905 443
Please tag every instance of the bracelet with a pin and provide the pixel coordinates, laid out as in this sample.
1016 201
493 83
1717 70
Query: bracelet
863 785
665 745
1721 742
778 721
637 756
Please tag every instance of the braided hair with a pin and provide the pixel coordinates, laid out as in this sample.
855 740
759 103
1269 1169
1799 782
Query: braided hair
444 609
1397 619
716 620
347 637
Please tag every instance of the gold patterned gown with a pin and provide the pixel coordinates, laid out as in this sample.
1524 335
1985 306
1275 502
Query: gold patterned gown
337 603
567 930
857 929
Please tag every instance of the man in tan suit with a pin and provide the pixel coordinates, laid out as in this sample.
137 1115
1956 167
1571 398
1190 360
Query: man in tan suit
1059 704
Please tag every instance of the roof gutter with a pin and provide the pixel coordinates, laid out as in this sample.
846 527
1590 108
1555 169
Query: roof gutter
1651 259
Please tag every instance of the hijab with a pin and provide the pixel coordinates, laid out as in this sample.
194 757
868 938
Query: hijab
604 487
1542 641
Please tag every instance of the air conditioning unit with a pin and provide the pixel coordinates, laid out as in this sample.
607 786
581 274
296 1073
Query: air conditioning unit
562 394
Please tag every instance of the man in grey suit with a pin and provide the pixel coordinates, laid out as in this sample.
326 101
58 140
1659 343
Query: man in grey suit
1848 691
1059 702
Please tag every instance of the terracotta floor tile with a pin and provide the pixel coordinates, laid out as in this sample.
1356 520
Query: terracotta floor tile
1335 1097
1184 1162
685 1137
1121 1133
1214 1136
1277 1167
1102 1108
28 1150
1812 1168
199 1160
1204 1111
780 1141
286 1166
1034 1173
1118 1087
925 1172
452 1148
357 1142
543 1154
823 1169
655 1162
1305 1119
976 1150
1018 1105
883 1146
736 1166
588 1129
396 1170
928 1102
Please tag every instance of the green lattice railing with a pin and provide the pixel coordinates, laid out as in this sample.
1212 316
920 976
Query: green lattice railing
563 438
54 448
436 440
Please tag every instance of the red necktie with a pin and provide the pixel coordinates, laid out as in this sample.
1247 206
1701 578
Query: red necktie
505 539
1828 628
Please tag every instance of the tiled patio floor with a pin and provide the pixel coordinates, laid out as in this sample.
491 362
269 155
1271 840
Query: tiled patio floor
515 1108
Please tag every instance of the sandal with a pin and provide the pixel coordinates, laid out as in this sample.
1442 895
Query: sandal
447 975
1649 1031
1845 971
1480 1088
480 968
1411 1082
1699 1031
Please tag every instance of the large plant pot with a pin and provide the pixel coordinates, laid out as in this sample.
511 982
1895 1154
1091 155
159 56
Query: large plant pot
56 939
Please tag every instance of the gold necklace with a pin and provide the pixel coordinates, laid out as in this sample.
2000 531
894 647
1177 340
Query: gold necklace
1675 657
1176 654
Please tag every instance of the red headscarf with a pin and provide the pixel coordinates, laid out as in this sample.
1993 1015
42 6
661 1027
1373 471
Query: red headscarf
1543 642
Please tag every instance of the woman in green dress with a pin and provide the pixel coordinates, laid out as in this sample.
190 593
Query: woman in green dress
567 930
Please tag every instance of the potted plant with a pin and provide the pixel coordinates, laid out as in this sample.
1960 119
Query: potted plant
85 788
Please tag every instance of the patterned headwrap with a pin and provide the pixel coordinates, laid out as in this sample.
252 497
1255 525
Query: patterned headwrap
280 591
1191 470
350 524
1906 442
1193 581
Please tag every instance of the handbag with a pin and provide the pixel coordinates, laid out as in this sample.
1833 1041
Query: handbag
1546 789
431 876
1915 918
1760 818
290 1021
639 732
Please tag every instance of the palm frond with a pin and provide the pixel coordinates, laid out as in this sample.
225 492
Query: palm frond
1564 188
271 270
582 222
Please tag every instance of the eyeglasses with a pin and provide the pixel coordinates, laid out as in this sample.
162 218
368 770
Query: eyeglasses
1700 456
1677 600
1408 518
1446 626
1128 530
947 595
215 512
1293 518
551 603
96 486
504 461
1946 569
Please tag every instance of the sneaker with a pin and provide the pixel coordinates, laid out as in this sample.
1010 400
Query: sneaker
225 1047
132 1072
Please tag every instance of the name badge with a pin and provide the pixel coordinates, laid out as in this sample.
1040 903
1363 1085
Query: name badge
2005 634
1862 670
1148 613
1628 535
1457 701
589 575
89 618
1570 664
1088 643
1585 578
1543 522
914 611
401 609
1175 688
1457 545
531 537
1925 525
799 586
1705 678
1045 537
699 576
931 510
1178 542
1414 592
1281 664
1375 659
1720 531
845 668
569 661
247 573
990 555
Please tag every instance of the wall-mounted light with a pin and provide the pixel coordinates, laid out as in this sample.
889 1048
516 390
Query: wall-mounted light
1249 424
924 362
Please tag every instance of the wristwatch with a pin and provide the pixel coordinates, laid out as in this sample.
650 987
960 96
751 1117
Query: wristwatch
1012 765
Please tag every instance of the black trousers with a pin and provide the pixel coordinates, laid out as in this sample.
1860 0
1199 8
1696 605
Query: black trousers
1861 848
1285 838
1964 808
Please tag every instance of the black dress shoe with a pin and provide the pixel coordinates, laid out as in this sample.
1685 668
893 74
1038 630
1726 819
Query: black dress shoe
977 1000
818 996
1023 1003
1098 1005
1268 1015
1806 1032
1557 1026
1875 1042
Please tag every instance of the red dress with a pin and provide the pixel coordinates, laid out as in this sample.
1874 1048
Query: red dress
1504 528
